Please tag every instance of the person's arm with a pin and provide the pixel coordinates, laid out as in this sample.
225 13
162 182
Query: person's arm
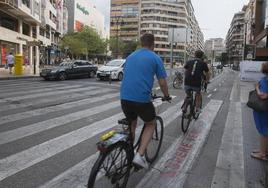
163 86
262 95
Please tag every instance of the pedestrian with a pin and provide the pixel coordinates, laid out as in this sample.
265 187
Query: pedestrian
10 62
261 118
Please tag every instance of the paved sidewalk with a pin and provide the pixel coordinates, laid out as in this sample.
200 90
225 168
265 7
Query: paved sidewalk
4 74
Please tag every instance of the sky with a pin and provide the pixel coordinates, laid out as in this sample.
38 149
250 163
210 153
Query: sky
214 16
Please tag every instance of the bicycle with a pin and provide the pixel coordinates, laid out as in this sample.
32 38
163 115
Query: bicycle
189 110
204 85
178 80
116 152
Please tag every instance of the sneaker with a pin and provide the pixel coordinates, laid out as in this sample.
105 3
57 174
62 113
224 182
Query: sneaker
198 110
140 161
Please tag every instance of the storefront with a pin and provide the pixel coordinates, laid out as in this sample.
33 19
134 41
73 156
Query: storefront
6 48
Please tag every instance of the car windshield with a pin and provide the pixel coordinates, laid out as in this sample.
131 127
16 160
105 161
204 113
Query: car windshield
114 63
65 63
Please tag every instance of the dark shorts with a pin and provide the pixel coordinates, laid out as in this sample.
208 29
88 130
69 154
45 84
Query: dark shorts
10 65
132 110
196 89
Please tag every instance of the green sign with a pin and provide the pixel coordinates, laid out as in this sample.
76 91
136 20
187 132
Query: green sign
83 9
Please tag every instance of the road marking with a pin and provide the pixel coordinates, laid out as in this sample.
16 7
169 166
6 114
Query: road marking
229 170
209 95
172 169
15 134
24 159
215 89
46 94
70 95
44 111
9 93
77 176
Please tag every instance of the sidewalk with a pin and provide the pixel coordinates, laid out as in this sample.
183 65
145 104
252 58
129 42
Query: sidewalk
4 74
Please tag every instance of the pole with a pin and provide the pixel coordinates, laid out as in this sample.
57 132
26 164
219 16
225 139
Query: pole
171 52
117 22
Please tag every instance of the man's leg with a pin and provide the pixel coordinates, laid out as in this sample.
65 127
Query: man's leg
198 100
146 136
133 128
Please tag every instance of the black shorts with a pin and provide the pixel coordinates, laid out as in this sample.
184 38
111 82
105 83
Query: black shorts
132 110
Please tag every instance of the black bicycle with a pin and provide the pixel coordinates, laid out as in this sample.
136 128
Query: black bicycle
116 152
189 110
178 80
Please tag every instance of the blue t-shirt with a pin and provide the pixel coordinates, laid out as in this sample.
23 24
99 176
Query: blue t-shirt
140 68
264 84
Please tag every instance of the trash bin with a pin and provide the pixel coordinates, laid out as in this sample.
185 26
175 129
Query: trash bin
18 67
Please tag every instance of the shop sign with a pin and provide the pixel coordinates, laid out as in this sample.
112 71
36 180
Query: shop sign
83 9
249 52
33 43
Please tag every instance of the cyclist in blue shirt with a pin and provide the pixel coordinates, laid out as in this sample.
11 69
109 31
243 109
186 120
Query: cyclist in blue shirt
140 68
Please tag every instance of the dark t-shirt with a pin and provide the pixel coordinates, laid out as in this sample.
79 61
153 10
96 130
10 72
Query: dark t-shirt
193 72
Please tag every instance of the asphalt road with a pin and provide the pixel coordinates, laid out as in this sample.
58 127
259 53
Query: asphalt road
48 132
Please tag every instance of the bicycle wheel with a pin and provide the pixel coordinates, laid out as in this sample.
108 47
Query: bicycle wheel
186 117
177 82
154 146
112 168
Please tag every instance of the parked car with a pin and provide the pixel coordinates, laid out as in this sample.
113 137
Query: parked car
70 69
113 68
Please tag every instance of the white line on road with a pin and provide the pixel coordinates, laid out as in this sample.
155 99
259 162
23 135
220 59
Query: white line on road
46 94
229 171
65 106
15 134
209 95
173 168
215 89
31 156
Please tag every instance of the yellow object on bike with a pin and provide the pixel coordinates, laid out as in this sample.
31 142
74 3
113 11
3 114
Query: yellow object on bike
107 135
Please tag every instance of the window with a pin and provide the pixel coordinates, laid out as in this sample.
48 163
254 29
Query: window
25 29
8 22
26 3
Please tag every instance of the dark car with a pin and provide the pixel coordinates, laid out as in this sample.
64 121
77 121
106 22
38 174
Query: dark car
70 69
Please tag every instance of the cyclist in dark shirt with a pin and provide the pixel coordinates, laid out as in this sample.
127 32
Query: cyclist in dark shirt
194 70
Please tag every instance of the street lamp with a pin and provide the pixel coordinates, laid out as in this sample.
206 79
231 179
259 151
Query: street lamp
117 21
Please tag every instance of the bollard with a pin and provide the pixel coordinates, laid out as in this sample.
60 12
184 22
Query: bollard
18 67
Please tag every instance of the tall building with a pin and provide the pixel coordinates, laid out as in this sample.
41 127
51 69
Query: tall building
158 16
124 19
214 47
83 12
19 30
235 38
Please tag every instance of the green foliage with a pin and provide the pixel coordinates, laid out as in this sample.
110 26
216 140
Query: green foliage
85 42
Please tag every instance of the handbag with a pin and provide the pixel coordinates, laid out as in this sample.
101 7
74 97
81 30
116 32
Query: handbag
256 103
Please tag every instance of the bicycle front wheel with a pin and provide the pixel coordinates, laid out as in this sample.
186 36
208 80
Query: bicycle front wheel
177 82
112 168
186 117
154 146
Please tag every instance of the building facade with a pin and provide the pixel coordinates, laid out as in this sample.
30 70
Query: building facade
214 47
158 16
235 38
83 12
19 30
124 19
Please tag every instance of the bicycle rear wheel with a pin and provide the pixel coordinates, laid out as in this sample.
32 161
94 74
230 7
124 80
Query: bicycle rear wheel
112 168
177 82
154 146
186 117
196 115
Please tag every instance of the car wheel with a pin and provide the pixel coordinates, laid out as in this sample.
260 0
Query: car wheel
91 74
62 76
120 76
47 79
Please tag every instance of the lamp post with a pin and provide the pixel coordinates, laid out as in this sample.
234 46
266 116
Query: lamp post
117 21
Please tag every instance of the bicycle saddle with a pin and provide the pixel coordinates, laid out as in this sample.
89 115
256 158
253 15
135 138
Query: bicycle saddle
124 121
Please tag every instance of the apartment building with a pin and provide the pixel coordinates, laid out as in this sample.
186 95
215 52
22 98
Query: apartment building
19 29
235 38
214 47
124 19
158 16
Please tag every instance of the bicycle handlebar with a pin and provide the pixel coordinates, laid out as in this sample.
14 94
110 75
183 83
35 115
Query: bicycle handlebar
168 98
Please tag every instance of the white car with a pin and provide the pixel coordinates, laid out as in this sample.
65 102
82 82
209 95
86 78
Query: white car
113 68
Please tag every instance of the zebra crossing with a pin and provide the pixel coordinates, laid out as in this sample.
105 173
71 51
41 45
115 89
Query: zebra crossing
48 131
